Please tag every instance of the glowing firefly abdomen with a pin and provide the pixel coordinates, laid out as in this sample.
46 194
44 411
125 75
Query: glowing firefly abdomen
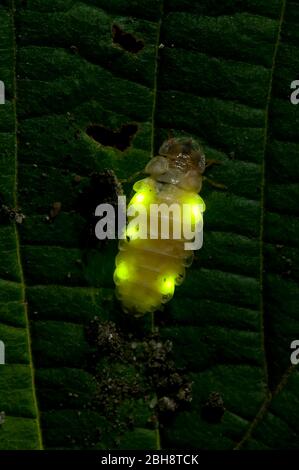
148 269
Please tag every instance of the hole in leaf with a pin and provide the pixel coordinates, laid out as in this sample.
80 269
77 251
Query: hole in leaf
126 40
99 188
121 139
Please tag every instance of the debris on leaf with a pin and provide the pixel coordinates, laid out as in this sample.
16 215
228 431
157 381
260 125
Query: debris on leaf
55 210
213 409
106 337
167 404
135 368
8 214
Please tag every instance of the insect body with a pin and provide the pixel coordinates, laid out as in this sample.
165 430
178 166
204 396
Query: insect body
149 268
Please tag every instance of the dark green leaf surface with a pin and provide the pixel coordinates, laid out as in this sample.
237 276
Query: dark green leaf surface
17 393
222 74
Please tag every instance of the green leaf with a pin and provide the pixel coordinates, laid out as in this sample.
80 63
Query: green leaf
17 397
235 317
59 55
220 72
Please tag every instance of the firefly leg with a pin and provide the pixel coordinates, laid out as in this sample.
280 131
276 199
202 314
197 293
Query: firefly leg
214 183
212 162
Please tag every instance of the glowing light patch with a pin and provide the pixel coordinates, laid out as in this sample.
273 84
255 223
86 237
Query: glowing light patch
167 286
145 192
196 211
139 197
193 206
142 197
122 271
197 202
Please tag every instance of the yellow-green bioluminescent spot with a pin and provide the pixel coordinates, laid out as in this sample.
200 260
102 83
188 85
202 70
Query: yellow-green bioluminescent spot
122 271
167 285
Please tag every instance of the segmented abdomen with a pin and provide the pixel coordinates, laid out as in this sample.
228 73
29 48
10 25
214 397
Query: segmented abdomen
147 270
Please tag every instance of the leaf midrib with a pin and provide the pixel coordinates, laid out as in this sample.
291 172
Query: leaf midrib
263 183
15 198
269 395
265 407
